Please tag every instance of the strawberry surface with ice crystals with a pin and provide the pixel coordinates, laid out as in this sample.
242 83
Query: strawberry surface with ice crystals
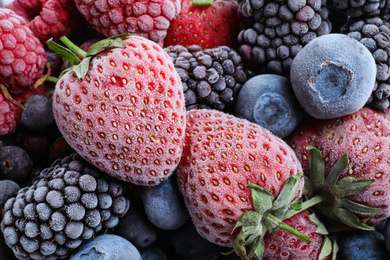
126 115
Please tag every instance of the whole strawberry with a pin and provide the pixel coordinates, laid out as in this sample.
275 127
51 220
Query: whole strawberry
22 56
49 18
207 23
230 166
149 19
126 115
285 246
364 137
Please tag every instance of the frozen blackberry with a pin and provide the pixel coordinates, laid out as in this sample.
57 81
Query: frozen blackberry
69 203
360 8
374 33
273 32
211 78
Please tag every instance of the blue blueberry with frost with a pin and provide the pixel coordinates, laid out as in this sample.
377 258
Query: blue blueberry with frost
361 244
269 101
333 76
107 247
164 206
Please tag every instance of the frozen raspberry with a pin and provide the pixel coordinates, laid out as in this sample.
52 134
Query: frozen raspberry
48 18
149 19
22 56
7 117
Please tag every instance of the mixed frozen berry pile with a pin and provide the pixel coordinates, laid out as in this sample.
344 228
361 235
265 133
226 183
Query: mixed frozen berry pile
195 129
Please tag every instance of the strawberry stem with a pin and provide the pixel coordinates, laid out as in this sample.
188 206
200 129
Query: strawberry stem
287 228
202 2
52 79
307 204
77 50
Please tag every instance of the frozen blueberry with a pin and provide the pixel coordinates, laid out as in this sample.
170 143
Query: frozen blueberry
135 227
269 101
164 206
15 164
38 113
361 244
8 189
333 76
108 247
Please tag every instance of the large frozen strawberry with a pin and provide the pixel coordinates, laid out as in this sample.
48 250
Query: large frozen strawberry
146 18
126 115
282 245
362 136
230 166
49 18
22 56
207 23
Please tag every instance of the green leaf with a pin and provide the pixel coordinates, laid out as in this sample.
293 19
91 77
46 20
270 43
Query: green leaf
239 245
63 52
321 229
105 44
336 170
350 186
262 199
348 218
357 207
248 218
308 187
326 248
335 250
258 249
317 167
297 205
288 193
82 68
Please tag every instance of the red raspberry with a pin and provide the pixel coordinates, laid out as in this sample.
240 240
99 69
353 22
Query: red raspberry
146 18
22 56
49 18
7 117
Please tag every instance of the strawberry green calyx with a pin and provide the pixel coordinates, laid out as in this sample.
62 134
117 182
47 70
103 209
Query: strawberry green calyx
268 215
73 52
202 2
331 194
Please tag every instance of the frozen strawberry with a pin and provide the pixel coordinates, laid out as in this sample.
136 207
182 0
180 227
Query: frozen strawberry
360 143
207 23
149 19
230 166
126 115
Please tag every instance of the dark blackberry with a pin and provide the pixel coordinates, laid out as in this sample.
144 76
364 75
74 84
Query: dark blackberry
374 33
360 8
273 32
65 206
211 78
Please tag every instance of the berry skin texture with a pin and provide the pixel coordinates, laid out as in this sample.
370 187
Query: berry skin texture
364 137
149 19
361 244
268 100
222 155
7 117
127 115
107 246
48 18
333 76
22 58
208 26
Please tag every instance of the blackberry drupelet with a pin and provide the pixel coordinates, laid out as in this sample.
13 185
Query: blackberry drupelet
211 78
68 204
374 33
360 8
274 31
